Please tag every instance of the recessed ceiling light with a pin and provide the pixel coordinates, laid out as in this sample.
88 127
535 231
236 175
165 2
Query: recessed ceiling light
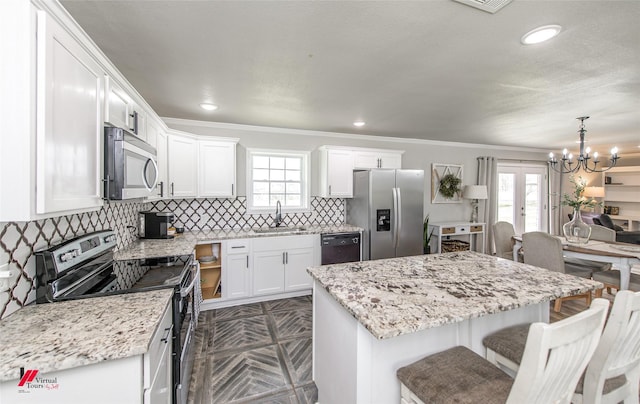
540 34
358 123
208 107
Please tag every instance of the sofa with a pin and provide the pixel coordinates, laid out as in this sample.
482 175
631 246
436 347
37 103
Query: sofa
622 236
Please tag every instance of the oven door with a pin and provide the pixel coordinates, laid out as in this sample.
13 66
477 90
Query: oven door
186 331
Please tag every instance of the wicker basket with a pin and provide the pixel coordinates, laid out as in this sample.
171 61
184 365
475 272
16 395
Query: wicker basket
454 245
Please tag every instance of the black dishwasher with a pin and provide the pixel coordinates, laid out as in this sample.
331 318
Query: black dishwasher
340 247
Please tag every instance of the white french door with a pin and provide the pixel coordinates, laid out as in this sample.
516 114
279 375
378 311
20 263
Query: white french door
522 196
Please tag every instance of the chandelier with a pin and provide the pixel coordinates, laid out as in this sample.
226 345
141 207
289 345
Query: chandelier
570 165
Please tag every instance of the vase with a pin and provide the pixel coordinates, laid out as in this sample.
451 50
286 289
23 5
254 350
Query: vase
576 230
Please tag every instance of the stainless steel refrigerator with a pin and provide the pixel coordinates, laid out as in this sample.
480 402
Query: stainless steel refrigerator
388 204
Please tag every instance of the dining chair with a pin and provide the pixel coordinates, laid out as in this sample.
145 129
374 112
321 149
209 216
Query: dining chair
613 373
502 238
545 251
599 233
611 280
602 233
554 357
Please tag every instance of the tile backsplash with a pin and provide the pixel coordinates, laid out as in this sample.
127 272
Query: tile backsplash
19 240
205 214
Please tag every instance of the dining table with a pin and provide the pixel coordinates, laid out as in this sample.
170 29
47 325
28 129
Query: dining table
622 256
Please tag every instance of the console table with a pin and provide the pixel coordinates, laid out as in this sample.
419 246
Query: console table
442 231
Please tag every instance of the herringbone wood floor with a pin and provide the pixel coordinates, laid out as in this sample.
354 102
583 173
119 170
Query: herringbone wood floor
254 353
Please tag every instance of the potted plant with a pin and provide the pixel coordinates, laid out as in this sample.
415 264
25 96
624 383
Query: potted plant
426 236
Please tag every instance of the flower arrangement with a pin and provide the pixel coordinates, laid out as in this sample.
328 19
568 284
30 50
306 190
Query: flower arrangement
577 200
449 186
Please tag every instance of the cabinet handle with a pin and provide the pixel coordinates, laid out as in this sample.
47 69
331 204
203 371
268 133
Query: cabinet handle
172 189
231 189
247 261
329 190
107 191
379 163
165 338
134 115
161 183
283 259
286 255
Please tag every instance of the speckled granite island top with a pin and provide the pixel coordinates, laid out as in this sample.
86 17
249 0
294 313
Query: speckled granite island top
398 296
184 243
64 335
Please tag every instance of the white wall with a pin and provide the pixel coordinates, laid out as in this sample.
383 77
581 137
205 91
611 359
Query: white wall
418 154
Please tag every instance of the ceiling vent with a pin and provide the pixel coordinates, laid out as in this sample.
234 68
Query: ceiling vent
490 6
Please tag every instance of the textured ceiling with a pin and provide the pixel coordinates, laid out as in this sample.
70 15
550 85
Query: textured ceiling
417 69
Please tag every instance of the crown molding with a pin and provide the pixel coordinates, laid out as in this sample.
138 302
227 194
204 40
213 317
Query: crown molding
341 135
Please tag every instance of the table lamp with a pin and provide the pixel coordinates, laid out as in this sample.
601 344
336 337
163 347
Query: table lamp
593 192
474 193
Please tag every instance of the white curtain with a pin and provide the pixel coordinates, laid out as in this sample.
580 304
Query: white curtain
555 199
488 175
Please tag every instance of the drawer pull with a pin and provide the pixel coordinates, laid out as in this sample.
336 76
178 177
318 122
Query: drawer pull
165 338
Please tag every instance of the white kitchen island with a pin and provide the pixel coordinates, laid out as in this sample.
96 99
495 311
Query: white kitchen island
371 318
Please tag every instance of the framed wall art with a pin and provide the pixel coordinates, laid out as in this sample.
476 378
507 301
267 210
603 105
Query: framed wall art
446 183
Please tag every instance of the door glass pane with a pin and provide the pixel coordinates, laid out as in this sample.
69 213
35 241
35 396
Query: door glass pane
506 196
532 202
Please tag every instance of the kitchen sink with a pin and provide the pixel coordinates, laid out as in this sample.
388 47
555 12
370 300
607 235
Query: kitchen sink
281 229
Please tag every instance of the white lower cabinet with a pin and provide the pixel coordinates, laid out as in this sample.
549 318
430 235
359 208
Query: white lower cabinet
280 263
295 270
268 277
236 271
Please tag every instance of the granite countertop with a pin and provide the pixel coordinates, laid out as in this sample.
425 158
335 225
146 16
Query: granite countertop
398 296
64 335
183 244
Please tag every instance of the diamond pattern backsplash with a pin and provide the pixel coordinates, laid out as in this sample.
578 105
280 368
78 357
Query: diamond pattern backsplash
206 214
19 240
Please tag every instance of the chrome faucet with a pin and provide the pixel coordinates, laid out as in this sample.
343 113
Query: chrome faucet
278 213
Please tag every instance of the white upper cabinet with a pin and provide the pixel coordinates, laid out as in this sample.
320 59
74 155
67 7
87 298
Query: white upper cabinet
216 169
335 164
377 159
70 84
334 176
121 111
183 167
117 105
199 167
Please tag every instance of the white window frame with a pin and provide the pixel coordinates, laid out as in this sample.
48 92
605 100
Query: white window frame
305 176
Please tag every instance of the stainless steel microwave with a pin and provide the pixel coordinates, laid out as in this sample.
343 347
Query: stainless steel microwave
130 167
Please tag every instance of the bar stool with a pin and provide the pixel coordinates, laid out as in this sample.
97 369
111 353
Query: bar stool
613 374
554 358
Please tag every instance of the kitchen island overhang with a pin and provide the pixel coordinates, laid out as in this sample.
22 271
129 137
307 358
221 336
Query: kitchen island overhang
373 317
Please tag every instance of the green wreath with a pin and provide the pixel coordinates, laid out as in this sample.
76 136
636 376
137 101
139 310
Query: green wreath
449 186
